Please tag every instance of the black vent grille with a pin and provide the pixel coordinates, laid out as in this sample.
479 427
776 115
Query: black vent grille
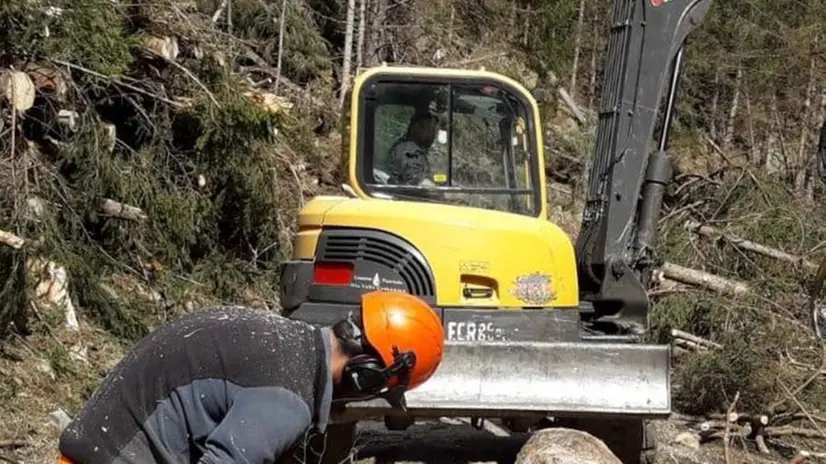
385 251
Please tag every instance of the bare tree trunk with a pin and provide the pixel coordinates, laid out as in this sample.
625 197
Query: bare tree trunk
776 133
362 30
229 17
771 158
378 16
753 157
801 161
813 174
714 102
280 44
577 47
527 27
453 21
348 51
592 92
732 114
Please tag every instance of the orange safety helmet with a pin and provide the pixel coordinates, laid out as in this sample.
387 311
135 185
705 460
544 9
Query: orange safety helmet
400 322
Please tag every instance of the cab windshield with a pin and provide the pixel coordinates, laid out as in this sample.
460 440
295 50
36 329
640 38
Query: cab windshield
465 144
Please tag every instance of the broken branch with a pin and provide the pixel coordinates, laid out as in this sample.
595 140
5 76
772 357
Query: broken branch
786 431
9 239
703 279
119 210
714 234
727 431
694 340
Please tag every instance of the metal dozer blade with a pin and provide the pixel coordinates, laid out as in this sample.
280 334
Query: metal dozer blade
489 379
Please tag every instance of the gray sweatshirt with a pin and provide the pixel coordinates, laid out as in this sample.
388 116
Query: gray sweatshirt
220 385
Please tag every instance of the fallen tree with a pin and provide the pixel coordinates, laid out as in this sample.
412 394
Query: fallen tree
702 279
716 235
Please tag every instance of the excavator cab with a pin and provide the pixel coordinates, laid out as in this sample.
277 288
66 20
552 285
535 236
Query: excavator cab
460 137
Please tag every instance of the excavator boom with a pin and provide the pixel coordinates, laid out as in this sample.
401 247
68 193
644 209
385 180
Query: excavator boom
628 178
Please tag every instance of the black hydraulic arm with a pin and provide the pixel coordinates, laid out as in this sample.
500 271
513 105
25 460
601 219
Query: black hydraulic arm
629 172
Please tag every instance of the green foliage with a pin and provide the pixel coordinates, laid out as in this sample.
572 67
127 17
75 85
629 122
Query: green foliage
88 33
758 332
207 174
709 382
13 297
550 39
305 55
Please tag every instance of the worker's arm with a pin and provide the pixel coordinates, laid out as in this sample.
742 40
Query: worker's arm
261 424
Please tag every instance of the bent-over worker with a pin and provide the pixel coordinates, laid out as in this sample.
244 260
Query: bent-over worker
233 384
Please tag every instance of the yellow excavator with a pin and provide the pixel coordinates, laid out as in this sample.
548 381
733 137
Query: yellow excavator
447 199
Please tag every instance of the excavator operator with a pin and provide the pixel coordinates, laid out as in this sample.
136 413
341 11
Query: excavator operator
234 384
407 163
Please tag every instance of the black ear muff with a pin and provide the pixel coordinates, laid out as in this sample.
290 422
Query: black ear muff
364 374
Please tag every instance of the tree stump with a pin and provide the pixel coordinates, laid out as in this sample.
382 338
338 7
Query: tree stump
565 446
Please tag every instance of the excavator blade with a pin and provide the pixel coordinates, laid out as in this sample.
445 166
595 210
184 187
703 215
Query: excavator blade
489 379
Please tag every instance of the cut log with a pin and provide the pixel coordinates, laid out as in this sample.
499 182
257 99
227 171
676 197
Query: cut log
570 104
166 47
9 239
703 279
19 89
123 211
679 334
51 290
565 446
714 234
270 102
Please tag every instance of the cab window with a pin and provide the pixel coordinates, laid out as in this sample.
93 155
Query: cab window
466 144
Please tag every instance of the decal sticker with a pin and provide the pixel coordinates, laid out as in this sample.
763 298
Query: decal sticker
473 331
534 289
377 282
474 267
656 3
